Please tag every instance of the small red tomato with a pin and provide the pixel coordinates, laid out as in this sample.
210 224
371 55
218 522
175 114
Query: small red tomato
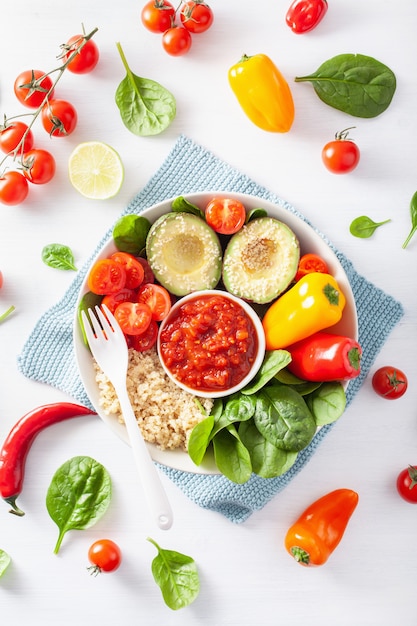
106 277
31 88
158 15
112 300
39 166
341 155
407 484
146 340
13 188
105 556
1 280
225 215
311 262
86 59
389 382
59 118
133 317
157 298
176 41
304 15
11 136
134 270
196 16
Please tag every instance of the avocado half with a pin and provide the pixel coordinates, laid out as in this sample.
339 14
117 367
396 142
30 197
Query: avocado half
184 253
261 260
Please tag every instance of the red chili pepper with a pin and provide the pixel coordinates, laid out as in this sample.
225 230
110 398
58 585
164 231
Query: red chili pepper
320 528
19 440
304 15
325 357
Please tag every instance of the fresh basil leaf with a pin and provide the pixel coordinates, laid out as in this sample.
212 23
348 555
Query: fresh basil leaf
145 106
130 232
78 496
182 205
231 456
364 227
268 461
327 403
58 256
177 576
274 361
5 561
354 83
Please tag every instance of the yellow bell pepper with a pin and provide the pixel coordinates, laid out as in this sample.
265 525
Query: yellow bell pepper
263 93
314 303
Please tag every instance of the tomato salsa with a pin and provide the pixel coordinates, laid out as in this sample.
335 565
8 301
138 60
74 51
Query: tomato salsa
209 343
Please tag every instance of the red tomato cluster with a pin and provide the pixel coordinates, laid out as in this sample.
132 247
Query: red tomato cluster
160 16
36 90
128 287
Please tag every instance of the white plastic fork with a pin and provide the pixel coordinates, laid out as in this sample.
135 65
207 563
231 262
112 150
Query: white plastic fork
109 348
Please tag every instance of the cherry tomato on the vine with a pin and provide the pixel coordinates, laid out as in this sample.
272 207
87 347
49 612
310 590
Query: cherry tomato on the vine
158 15
31 87
59 118
133 317
311 262
12 134
341 155
196 16
407 484
176 40
39 166
105 556
86 59
304 15
225 215
106 277
389 382
157 298
14 188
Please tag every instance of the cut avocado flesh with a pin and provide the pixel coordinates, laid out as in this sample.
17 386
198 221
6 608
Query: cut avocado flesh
184 253
261 260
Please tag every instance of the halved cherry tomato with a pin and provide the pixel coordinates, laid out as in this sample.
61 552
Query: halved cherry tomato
13 188
112 300
157 298
11 136
39 166
106 277
133 317
85 60
59 118
31 87
389 382
225 215
146 340
196 16
311 262
105 556
176 40
407 484
133 268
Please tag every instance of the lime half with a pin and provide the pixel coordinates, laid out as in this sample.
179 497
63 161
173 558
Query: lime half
96 170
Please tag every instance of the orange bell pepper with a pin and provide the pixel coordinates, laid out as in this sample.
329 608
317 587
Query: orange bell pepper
320 528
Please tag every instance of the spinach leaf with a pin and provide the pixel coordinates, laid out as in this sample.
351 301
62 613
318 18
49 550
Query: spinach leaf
199 440
182 205
88 301
253 214
327 403
5 561
413 214
284 419
354 83
231 456
239 408
364 227
130 232
268 461
145 106
58 256
274 361
78 496
176 575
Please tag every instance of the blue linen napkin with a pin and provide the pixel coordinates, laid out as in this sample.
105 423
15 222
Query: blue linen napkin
48 354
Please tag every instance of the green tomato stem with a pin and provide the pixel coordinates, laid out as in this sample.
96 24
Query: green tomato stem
6 313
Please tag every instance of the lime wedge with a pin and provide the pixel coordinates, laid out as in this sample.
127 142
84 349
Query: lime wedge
96 170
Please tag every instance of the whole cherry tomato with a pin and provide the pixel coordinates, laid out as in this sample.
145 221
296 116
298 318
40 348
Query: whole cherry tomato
13 188
105 556
304 15
225 215
176 41
407 484
341 155
39 166
158 15
59 118
31 87
1 280
85 60
12 134
389 382
196 16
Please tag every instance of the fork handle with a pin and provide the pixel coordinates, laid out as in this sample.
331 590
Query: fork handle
151 481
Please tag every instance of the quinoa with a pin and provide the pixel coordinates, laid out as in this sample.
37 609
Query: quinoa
165 413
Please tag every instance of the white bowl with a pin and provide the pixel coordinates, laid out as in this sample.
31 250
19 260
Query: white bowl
310 241
260 341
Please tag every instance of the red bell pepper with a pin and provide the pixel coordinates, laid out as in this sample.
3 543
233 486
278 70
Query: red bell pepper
324 357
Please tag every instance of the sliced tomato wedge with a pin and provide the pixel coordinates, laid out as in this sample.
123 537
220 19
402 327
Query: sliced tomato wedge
133 317
146 340
134 270
112 300
106 277
225 215
149 275
309 263
157 298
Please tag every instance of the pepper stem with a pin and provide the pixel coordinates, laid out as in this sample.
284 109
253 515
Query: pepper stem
15 509
300 555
